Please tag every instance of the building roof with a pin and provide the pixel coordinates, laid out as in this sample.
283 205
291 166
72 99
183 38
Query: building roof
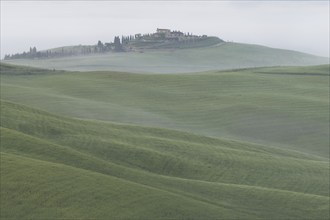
162 29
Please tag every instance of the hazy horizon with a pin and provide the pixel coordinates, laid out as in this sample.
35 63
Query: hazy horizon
294 25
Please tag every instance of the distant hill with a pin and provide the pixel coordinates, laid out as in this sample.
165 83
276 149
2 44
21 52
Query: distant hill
173 57
161 39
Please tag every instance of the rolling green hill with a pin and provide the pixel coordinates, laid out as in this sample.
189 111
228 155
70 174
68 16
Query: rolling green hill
57 167
240 144
204 58
282 107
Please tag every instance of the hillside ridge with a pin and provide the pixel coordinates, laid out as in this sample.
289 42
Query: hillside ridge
224 56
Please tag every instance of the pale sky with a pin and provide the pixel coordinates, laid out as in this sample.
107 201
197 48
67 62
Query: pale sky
295 25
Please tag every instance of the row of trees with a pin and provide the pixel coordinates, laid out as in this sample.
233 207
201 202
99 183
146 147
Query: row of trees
32 53
115 46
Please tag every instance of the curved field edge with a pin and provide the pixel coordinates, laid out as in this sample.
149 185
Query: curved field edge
41 137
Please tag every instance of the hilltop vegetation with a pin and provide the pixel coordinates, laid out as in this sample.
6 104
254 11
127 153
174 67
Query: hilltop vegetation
240 144
162 39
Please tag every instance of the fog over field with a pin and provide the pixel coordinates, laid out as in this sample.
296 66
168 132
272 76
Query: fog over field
294 25
241 144
164 110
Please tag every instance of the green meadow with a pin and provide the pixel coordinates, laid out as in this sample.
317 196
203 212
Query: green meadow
281 107
233 144
225 55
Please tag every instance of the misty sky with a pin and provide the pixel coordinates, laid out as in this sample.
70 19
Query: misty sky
296 25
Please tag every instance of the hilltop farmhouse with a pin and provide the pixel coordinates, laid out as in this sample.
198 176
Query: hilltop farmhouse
167 34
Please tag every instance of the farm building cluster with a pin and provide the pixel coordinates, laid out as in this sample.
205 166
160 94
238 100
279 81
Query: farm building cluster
167 34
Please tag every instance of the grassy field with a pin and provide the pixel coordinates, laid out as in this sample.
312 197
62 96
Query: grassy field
282 107
57 167
241 144
217 57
